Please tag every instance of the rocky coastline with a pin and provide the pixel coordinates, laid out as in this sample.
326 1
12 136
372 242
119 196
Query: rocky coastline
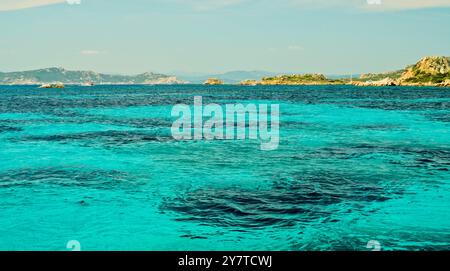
431 71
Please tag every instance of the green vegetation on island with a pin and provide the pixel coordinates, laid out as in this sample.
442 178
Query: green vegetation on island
249 82
434 70
295 79
299 79
429 71
381 76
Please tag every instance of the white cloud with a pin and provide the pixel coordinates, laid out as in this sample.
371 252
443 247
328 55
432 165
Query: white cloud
7 5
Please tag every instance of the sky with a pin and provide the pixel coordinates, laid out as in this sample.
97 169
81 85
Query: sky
216 36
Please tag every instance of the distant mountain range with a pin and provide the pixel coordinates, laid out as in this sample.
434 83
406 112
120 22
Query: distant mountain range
60 75
232 77
429 71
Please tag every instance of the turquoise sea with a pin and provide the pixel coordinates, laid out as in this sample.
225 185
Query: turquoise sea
99 165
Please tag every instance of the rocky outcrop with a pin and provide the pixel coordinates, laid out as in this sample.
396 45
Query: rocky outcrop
446 83
56 85
380 83
213 81
429 71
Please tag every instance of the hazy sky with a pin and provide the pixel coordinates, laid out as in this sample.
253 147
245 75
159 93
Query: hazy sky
134 36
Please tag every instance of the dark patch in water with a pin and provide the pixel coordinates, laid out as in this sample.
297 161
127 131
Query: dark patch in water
307 197
193 237
379 127
29 99
110 138
418 156
100 179
5 129
82 119
401 104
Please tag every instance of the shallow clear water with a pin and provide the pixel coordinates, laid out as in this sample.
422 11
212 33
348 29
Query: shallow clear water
99 165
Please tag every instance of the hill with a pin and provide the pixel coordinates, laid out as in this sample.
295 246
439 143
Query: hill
429 71
379 76
52 75
434 70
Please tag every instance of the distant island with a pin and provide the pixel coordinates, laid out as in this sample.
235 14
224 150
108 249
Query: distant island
429 71
63 76
298 79
213 81
231 77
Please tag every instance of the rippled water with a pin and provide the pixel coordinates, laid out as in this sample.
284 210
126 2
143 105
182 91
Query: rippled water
99 165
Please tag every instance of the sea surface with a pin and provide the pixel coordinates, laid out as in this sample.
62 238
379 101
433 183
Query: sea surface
98 165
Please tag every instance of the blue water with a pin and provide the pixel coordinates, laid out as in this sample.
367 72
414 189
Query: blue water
98 165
